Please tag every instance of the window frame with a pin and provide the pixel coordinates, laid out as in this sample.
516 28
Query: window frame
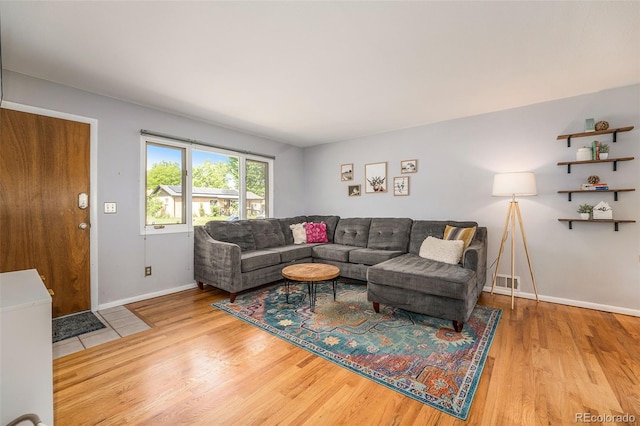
187 198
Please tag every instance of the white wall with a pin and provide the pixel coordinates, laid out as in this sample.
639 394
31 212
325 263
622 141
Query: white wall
122 251
589 265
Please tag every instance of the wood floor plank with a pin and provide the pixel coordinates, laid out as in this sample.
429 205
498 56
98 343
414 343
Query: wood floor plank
200 366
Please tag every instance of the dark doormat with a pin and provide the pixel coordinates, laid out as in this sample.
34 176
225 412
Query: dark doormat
75 325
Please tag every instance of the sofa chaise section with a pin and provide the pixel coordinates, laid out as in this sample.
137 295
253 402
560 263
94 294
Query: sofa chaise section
430 287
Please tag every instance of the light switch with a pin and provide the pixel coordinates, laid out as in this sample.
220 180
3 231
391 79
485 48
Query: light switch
110 207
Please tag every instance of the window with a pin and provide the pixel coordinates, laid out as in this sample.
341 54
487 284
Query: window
257 182
188 184
215 184
164 185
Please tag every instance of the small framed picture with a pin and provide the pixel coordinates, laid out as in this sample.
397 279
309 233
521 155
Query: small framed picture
401 185
409 166
354 190
375 175
346 172
590 125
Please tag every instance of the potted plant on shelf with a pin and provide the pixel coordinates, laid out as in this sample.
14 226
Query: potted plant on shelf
585 211
604 151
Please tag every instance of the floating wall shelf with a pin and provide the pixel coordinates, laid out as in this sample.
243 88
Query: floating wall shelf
615 192
608 160
614 221
597 132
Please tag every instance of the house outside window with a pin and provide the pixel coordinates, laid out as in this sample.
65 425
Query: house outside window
188 184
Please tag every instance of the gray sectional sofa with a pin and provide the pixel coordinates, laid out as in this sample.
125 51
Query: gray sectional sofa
240 255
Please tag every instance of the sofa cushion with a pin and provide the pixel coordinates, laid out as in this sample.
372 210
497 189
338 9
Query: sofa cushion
447 251
299 233
368 256
286 231
293 252
389 234
335 252
415 273
331 221
456 233
316 232
421 229
238 232
256 259
267 233
353 232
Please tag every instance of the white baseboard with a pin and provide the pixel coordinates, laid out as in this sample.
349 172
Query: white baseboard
146 296
569 302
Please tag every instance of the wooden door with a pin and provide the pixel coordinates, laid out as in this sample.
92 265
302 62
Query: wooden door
44 166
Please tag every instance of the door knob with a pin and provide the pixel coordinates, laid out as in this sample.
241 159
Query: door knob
83 225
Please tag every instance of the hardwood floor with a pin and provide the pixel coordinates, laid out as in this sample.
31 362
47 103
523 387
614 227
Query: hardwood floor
200 366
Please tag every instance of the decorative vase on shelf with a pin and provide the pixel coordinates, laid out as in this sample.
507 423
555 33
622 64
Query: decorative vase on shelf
584 216
604 155
583 154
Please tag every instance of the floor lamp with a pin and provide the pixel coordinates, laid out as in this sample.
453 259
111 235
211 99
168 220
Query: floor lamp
512 185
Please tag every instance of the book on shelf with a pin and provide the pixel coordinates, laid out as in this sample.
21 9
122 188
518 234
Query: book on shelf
594 187
595 150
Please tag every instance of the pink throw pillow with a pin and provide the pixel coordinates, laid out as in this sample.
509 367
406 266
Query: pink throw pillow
316 232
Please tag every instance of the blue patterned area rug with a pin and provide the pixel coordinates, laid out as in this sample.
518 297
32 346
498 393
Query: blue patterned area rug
418 356
75 325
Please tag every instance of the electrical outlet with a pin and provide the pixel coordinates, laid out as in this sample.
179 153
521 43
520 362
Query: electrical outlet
147 271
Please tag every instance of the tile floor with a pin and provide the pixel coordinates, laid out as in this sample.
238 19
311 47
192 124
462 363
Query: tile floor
119 322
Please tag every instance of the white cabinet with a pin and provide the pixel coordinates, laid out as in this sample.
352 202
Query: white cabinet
26 359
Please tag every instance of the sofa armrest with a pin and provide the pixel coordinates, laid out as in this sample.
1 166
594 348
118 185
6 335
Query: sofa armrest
475 258
216 262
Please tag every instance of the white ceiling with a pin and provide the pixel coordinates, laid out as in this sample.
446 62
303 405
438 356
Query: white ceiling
316 72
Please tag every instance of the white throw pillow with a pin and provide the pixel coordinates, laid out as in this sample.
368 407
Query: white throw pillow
448 251
299 233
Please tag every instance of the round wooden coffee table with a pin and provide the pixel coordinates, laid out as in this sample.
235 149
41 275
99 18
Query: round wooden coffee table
311 273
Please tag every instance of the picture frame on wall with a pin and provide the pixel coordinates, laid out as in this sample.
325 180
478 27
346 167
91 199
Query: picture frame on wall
401 185
375 177
346 172
354 191
408 166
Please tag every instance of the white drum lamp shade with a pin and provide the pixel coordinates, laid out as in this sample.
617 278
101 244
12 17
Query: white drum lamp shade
514 184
